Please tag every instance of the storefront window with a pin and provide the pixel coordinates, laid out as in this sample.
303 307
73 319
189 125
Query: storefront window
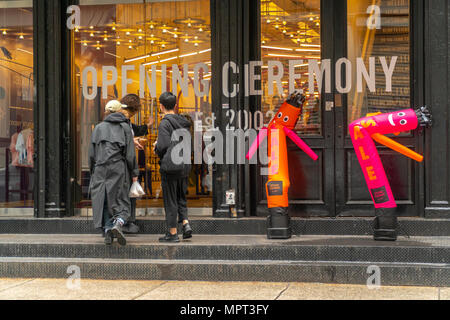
291 31
378 33
16 108
139 48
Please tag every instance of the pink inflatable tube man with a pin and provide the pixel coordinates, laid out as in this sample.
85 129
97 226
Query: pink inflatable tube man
374 127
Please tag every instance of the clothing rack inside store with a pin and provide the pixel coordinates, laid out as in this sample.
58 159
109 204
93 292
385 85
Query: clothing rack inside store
24 180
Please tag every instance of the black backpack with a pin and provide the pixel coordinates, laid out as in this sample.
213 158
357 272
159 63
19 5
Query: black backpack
167 166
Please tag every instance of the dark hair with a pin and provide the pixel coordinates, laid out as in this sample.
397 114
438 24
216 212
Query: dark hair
132 101
168 100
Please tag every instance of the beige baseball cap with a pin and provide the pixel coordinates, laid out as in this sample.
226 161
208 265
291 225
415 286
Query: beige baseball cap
114 106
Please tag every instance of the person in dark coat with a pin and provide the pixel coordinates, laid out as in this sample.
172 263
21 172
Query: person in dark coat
174 187
133 101
113 166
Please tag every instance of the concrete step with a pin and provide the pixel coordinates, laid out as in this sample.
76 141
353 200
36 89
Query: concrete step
309 258
224 226
233 248
215 270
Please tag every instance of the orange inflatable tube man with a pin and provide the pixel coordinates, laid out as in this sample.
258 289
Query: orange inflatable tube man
277 186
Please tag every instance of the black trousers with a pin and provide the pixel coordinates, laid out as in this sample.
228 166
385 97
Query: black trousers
175 205
132 218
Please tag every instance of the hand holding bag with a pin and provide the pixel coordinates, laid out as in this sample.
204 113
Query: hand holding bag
136 190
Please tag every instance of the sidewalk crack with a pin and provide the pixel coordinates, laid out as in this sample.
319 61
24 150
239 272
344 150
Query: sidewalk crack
147 292
17 285
282 291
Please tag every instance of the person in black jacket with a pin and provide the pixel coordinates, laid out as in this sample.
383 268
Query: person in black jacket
113 166
133 101
174 187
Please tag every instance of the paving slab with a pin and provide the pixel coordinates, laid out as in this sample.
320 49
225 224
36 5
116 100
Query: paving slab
52 289
444 293
320 291
10 283
203 290
64 289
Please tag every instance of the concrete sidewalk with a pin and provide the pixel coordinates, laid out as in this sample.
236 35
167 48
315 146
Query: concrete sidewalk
64 289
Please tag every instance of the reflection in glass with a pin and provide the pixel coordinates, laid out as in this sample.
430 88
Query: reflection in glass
134 36
291 31
379 31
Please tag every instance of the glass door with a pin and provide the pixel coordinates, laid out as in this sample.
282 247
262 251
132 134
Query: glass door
376 43
139 48
296 39
16 108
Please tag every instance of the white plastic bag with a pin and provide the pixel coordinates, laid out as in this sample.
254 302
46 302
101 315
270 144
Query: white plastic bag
136 190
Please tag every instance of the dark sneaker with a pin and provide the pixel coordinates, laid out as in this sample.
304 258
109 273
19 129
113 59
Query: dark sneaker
187 231
109 238
169 238
130 228
117 232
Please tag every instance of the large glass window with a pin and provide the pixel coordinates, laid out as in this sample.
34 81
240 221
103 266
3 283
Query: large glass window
140 48
378 34
16 108
291 31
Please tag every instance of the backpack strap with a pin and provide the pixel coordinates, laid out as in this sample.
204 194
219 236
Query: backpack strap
127 130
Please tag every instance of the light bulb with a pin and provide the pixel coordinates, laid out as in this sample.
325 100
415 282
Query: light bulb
76 30
164 30
196 44
277 26
140 30
118 42
114 28
152 42
85 44
284 31
268 21
189 25
175 36
91 34
163 46
98 48
140 37
105 38
130 47
4 32
201 29
127 33
91 27
151 26
284 22
21 37
186 40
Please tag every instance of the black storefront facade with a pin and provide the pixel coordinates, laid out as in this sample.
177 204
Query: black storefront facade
331 187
